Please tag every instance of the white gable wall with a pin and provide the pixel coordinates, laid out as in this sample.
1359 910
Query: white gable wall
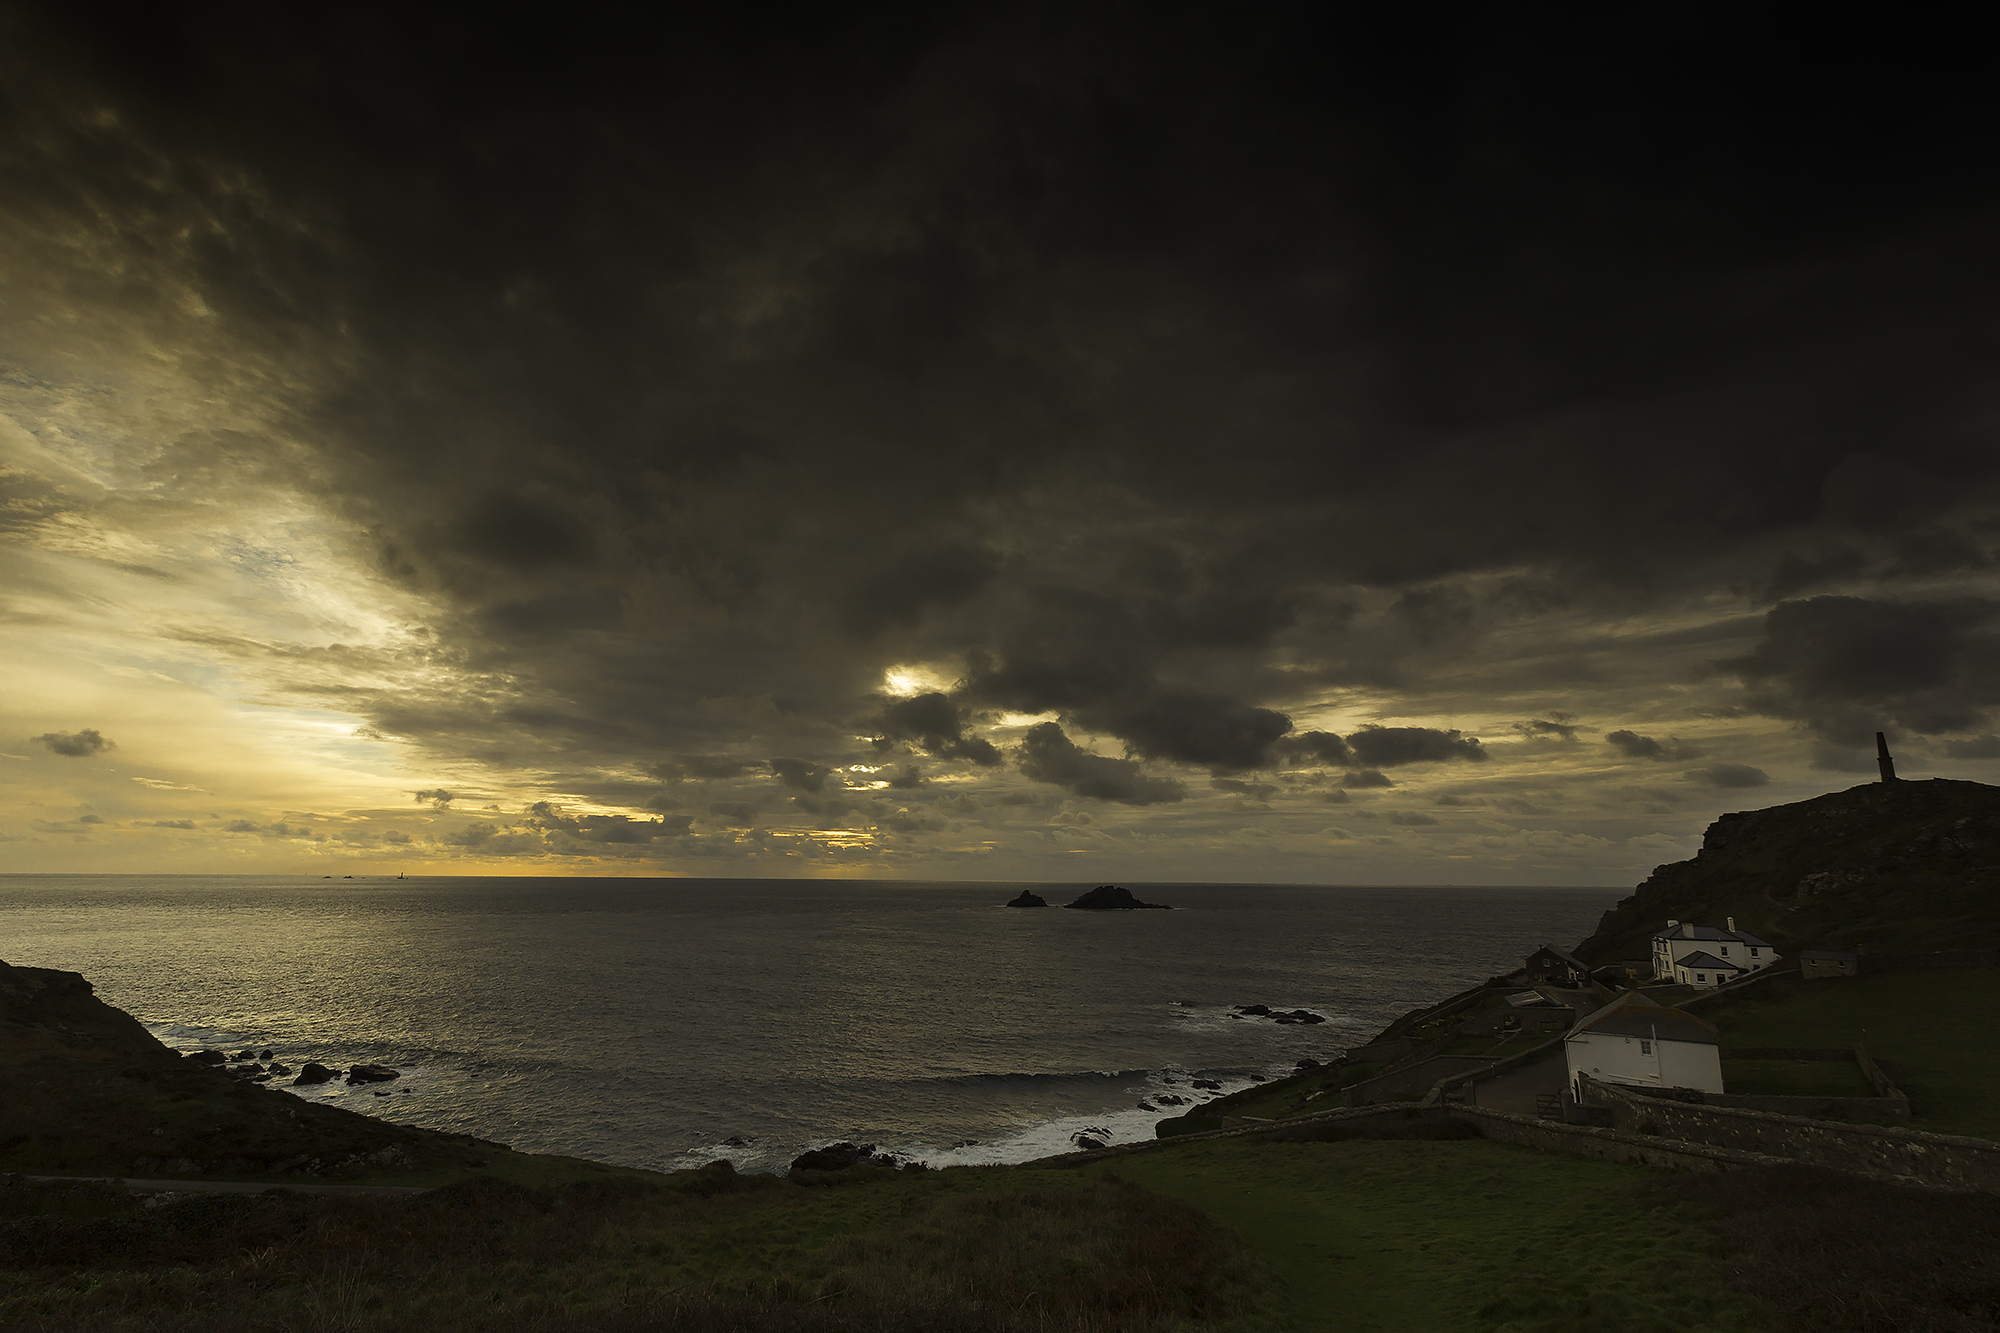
1644 1062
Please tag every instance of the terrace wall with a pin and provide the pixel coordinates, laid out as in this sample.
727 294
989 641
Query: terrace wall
1946 1160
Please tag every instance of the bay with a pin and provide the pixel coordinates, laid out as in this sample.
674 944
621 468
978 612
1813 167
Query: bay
650 1022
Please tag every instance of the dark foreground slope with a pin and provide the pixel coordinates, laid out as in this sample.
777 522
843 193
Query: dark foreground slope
1884 867
85 1089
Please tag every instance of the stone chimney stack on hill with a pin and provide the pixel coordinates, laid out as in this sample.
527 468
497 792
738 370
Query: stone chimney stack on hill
1882 758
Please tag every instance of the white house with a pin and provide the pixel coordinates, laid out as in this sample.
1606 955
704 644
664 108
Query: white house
1642 1043
1726 954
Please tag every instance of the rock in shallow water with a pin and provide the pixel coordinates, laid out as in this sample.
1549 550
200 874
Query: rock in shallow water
1028 899
313 1073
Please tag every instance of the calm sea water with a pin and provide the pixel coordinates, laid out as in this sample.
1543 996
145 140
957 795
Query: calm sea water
649 1022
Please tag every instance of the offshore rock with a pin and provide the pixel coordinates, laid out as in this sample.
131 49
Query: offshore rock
1110 898
313 1073
1028 899
371 1074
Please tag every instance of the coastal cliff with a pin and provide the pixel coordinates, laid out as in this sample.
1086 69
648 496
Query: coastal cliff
85 1088
1883 867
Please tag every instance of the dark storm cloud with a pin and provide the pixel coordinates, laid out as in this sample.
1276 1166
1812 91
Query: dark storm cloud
1315 747
692 383
1634 746
934 722
901 592
1188 728
1543 729
799 774
1388 747
1047 755
1849 665
703 766
438 797
1729 775
1979 747
82 744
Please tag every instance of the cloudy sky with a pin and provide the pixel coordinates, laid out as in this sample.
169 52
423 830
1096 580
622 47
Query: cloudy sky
1155 442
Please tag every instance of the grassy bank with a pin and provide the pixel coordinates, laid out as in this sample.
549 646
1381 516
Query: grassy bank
1937 1034
1462 1234
988 1248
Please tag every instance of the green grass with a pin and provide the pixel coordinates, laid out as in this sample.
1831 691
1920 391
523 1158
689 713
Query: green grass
974 1248
1463 1234
1796 1078
1937 1034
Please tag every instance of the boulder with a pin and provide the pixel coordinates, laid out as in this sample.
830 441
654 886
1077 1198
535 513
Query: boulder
1085 1143
371 1074
1028 899
1209 1084
1111 898
314 1073
244 1055
1307 1063
264 1054
1306 1016
1257 1010
208 1057
1147 1106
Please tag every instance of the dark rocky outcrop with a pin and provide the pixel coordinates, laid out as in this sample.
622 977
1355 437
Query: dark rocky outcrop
1111 898
1279 1016
1882 867
208 1057
1028 899
85 1089
840 1156
371 1074
314 1073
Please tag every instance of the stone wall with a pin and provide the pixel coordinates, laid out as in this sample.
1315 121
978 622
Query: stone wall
1608 1145
1888 1101
1946 1160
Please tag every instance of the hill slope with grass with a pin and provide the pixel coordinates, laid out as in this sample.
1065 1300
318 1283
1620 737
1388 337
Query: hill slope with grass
1884 868
86 1090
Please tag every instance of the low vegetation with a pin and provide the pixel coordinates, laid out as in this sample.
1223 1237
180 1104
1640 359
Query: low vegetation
972 1248
1460 1234
1934 1033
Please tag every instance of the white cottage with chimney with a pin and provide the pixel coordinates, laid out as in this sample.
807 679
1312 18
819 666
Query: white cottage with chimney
1707 957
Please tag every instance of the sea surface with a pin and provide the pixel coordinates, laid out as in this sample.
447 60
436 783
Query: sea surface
667 1023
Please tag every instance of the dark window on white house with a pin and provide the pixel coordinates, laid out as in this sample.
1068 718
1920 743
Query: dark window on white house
1701 976
1645 1048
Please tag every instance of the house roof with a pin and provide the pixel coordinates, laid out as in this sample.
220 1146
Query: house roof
1571 959
1704 959
1687 930
1633 1015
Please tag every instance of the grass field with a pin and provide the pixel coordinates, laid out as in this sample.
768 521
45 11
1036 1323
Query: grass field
1464 1234
974 1248
1796 1078
1937 1034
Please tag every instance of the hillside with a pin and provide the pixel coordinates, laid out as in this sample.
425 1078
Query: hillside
1882 868
85 1089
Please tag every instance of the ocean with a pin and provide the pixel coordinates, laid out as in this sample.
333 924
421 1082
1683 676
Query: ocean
667 1023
